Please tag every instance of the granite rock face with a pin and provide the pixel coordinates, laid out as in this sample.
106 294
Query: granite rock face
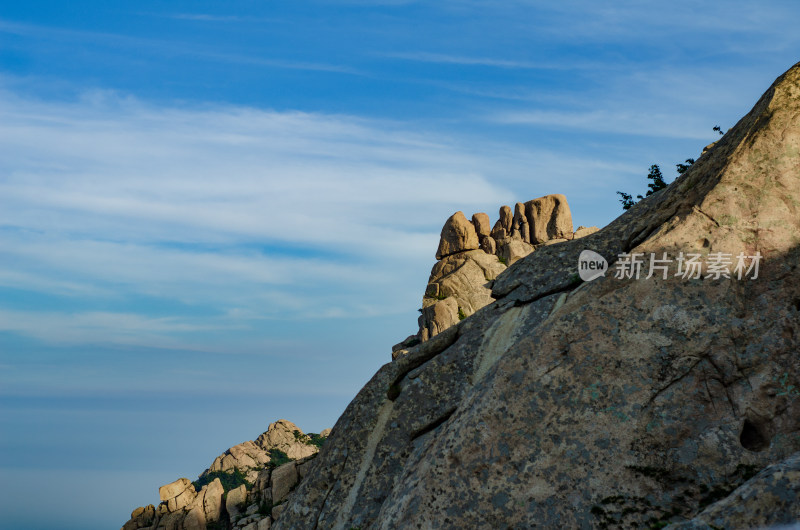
768 500
617 403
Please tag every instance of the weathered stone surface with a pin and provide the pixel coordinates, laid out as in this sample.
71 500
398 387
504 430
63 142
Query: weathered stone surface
173 489
482 226
489 245
277 510
281 435
512 250
553 241
549 217
284 478
235 501
264 524
195 519
142 517
212 500
519 224
499 231
615 403
506 219
171 521
771 499
584 231
303 468
458 235
413 340
462 287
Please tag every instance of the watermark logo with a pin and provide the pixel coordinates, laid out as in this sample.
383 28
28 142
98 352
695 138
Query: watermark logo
639 265
591 265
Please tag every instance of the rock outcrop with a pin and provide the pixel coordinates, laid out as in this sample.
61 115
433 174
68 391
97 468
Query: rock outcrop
182 507
458 235
461 281
623 402
259 475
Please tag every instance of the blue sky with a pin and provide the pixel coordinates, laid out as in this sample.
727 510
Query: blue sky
217 214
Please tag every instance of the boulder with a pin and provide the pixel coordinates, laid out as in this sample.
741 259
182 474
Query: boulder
171 521
264 523
549 218
512 250
284 479
584 231
173 489
142 517
506 219
458 235
437 317
235 501
212 501
462 285
481 223
195 519
489 245
519 226
499 231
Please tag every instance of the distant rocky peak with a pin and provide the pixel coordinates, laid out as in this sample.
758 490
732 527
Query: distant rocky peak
243 488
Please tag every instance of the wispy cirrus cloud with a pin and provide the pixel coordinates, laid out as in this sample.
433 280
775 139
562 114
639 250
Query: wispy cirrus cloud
166 47
254 214
443 58
204 17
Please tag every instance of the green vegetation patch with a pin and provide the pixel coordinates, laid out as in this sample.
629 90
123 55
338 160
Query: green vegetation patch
230 481
315 439
277 458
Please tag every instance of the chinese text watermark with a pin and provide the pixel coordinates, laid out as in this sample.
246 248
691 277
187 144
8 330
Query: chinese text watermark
640 265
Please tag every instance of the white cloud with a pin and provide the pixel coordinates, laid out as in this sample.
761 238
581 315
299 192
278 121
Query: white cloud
443 58
254 214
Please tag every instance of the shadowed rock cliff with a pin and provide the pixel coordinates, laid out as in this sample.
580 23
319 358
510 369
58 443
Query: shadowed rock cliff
608 404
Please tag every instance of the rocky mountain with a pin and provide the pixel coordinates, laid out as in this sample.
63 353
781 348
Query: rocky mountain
244 487
663 393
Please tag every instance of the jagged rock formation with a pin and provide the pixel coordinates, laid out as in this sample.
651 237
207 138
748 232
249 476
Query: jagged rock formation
617 403
254 503
461 281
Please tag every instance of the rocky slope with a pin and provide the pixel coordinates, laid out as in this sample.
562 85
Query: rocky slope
244 487
613 404
667 396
